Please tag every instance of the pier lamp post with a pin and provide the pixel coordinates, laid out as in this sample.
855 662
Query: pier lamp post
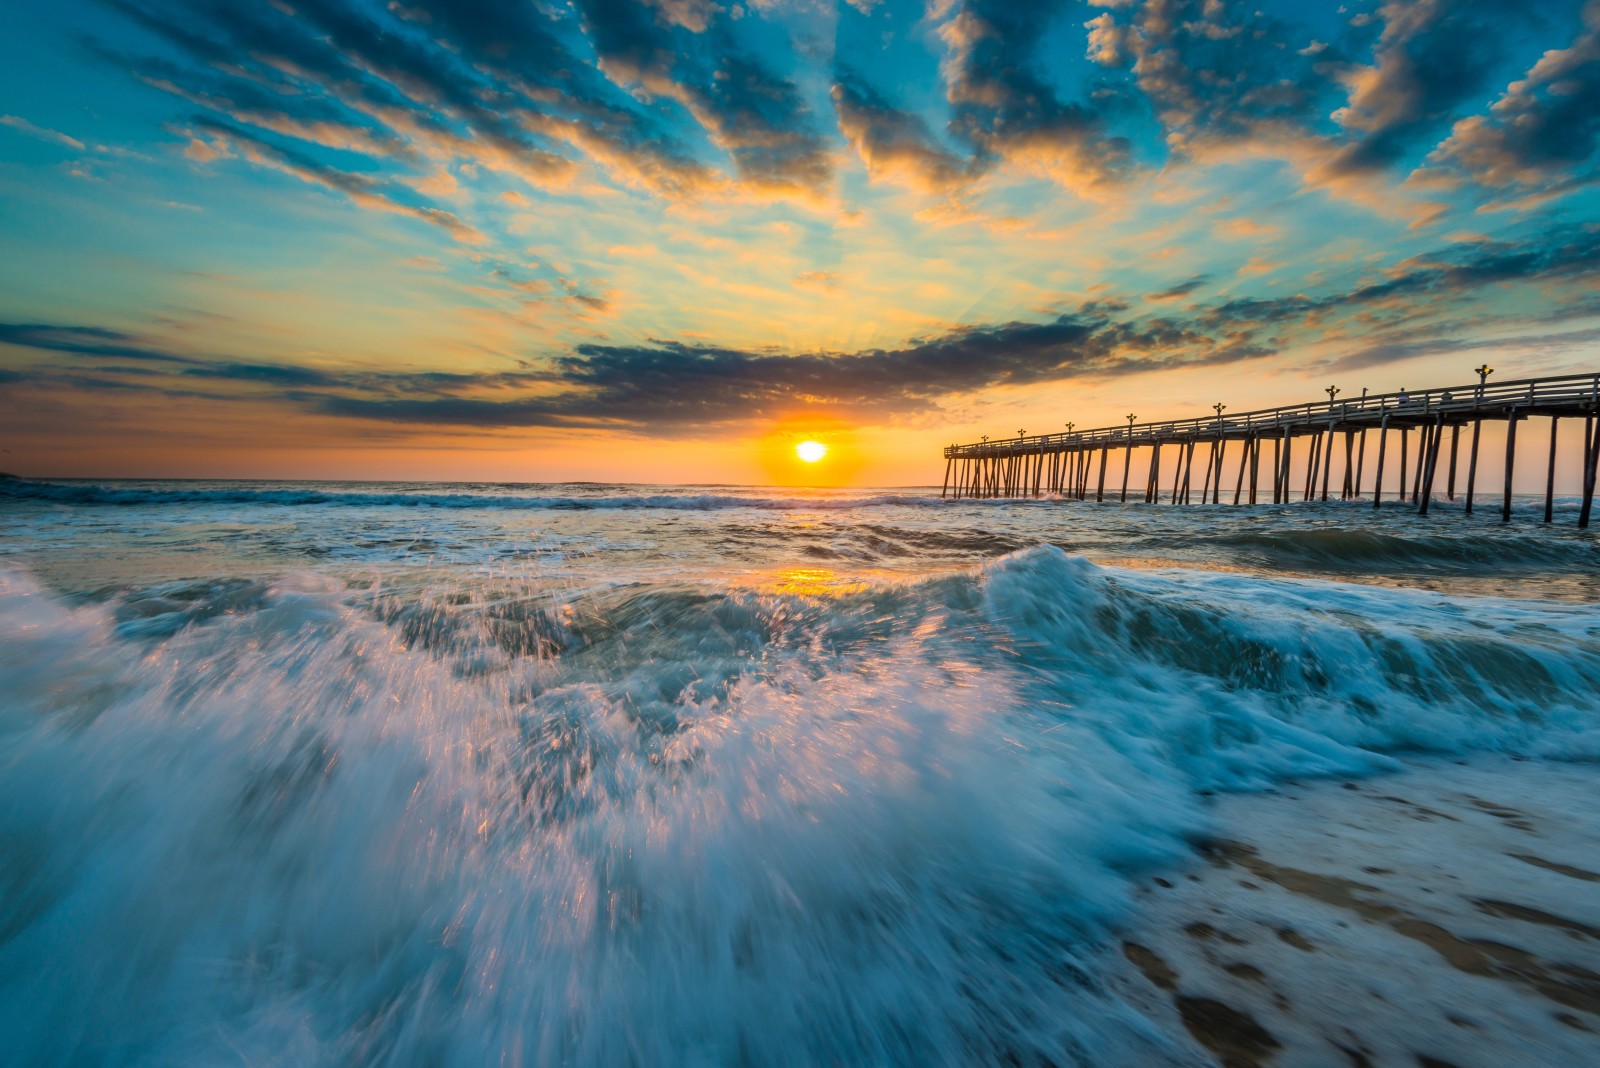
1332 392
1483 371
1219 408
1070 426
1131 418
1021 434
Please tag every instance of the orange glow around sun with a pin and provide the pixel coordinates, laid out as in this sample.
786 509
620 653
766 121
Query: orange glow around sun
805 450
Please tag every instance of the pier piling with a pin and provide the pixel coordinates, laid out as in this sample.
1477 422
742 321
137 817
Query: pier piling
1064 465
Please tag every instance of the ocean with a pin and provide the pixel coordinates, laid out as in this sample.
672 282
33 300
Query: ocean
423 774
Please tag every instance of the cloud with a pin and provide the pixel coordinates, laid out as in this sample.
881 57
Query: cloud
749 111
1214 73
1182 289
266 374
680 386
1004 108
896 145
1543 127
1432 57
21 125
365 190
84 341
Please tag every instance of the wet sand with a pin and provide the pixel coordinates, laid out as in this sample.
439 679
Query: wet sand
1448 915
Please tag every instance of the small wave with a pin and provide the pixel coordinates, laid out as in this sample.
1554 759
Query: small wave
99 494
1363 549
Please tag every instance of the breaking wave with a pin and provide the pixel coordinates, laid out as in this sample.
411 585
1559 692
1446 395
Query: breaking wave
296 821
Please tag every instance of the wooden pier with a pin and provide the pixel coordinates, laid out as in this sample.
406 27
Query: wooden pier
1073 465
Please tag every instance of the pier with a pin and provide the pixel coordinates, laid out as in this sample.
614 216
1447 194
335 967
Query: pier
1359 435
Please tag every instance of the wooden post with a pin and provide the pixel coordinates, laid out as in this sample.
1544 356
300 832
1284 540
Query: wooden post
1590 467
1383 445
1422 451
1361 460
1100 489
1255 464
1550 475
1345 491
1177 474
1434 438
1511 463
1424 436
1244 461
1311 466
949 464
1127 465
1188 469
1152 490
1211 466
1288 462
1455 447
1404 439
1277 466
1327 463
1222 455
1472 463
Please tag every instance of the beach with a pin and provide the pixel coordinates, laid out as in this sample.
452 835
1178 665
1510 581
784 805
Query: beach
335 773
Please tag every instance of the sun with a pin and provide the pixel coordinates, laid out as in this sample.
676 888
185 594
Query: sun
811 451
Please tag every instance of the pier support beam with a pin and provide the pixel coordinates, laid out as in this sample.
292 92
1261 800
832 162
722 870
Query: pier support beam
1550 474
1511 463
1472 463
1222 456
1244 461
1455 446
1361 460
1255 464
1383 446
1433 437
1590 467
1327 462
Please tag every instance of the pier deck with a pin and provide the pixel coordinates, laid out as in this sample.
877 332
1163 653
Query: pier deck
1073 464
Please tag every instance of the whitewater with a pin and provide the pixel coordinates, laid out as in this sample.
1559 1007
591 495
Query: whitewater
411 774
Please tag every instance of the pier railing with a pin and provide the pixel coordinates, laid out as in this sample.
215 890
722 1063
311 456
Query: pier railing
1058 463
1526 394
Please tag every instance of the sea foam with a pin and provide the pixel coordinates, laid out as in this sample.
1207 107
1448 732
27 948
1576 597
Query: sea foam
685 825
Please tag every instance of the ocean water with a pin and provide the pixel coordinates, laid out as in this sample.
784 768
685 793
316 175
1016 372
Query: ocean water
622 775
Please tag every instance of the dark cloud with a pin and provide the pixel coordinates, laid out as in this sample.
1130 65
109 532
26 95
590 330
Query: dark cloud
1544 127
1214 72
896 144
1182 289
671 383
360 188
1433 57
754 114
532 91
267 374
492 84
1002 104
679 387
84 341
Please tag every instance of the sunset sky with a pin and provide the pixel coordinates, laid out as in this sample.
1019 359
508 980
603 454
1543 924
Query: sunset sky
668 240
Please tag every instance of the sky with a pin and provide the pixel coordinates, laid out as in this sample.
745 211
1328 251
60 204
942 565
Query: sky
665 240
